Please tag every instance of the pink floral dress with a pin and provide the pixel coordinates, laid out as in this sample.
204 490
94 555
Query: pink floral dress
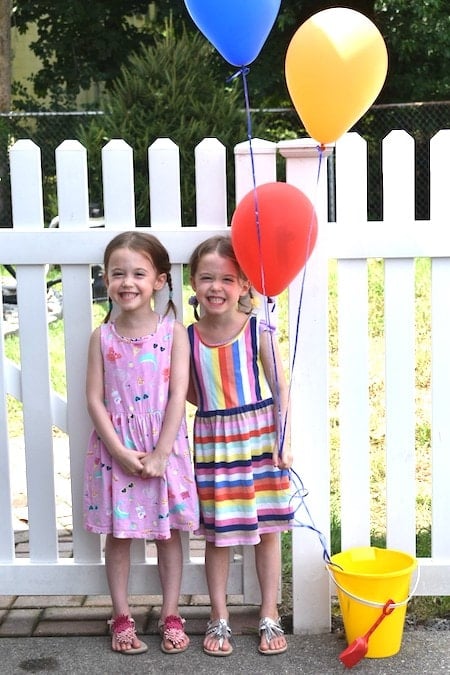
136 377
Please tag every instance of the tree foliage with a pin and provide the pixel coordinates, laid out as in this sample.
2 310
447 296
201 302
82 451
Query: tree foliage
417 35
168 90
80 42
83 43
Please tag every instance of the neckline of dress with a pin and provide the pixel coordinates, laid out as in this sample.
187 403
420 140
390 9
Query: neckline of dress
141 338
226 342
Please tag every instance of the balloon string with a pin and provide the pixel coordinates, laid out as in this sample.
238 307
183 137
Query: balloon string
269 301
244 72
299 494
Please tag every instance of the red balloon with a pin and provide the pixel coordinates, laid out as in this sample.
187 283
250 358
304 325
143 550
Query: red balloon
273 231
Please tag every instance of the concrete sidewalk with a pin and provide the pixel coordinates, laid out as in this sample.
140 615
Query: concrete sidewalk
423 652
68 634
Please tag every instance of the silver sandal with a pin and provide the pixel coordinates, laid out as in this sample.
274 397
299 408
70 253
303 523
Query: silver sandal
271 629
220 631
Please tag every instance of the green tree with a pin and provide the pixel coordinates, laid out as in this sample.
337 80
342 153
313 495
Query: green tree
81 43
168 90
417 35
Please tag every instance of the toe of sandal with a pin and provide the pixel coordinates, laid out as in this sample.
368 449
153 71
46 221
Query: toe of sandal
172 630
123 629
219 630
271 629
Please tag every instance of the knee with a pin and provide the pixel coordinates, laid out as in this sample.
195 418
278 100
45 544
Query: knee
269 539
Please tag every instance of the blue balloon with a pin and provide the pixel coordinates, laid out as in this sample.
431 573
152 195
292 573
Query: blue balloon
238 29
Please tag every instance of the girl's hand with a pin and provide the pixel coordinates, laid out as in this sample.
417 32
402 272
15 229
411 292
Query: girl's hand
154 465
283 461
131 461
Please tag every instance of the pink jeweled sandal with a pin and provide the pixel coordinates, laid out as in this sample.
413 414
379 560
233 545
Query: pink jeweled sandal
124 630
172 629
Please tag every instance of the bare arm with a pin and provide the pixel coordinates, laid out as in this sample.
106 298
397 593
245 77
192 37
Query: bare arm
130 460
155 462
192 392
274 371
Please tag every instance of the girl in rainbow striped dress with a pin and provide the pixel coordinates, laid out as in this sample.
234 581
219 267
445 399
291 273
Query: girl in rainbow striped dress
239 389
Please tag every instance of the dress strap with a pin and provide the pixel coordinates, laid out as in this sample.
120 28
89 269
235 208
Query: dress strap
193 340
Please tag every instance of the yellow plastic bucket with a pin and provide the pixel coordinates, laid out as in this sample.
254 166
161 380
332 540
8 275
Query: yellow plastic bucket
366 578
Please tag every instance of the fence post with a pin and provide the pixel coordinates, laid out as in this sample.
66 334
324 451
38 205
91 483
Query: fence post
309 396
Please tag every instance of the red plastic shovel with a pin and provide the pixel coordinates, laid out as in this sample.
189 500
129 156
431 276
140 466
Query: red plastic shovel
358 648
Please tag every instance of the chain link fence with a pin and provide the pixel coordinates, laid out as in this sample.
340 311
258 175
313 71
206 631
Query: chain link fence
421 120
47 130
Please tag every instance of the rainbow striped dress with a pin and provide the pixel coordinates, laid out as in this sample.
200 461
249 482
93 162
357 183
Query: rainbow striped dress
241 494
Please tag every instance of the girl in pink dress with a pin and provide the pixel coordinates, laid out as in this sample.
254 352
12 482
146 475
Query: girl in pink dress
139 480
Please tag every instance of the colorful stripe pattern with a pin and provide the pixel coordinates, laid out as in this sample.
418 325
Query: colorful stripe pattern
234 372
241 494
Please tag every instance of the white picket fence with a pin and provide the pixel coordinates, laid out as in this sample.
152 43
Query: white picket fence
351 240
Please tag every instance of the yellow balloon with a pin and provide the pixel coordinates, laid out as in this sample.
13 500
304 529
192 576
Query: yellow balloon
336 65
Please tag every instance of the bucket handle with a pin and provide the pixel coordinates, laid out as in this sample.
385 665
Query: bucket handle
373 603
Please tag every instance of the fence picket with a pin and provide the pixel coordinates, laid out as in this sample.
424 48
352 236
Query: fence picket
164 175
400 404
6 504
440 429
26 185
211 184
353 346
440 365
399 299
36 398
254 167
72 182
118 185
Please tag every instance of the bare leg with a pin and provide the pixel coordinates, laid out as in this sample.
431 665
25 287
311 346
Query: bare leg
170 567
217 563
117 562
268 568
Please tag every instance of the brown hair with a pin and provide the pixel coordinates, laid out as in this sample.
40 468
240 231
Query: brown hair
222 245
148 245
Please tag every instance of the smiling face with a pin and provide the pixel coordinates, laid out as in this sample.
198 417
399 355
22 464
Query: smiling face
218 284
131 279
